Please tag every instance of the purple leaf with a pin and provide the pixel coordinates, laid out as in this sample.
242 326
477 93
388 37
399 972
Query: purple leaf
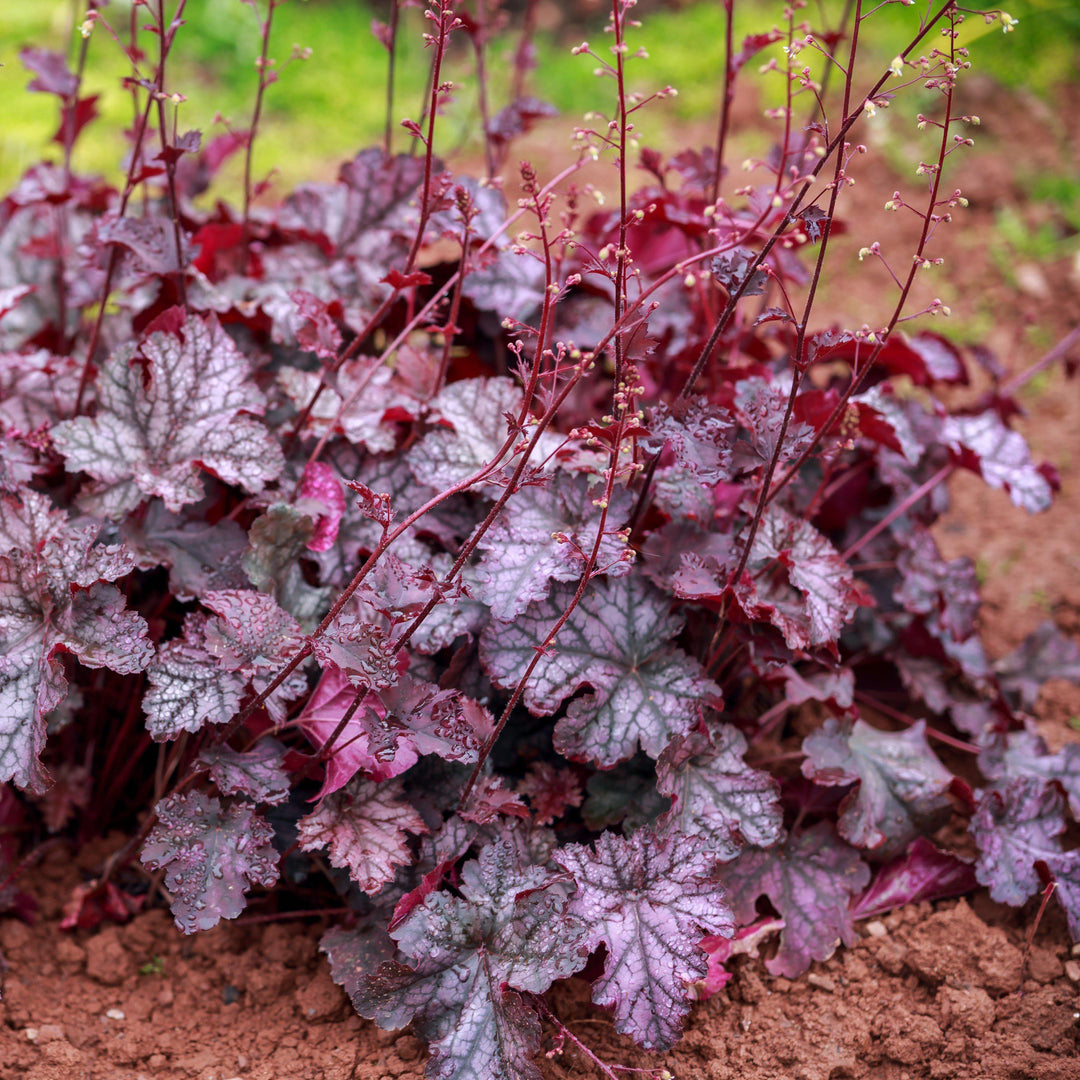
391 729
761 407
363 825
52 600
211 856
518 118
1017 827
901 786
200 556
717 795
51 70
1022 754
258 773
810 881
201 677
355 954
545 534
511 285
37 388
364 422
509 929
1046 654
152 240
795 580
648 898
168 409
474 429
361 650
314 326
643 690
1000 456
187 690
698 435
947 592
732 267
923 872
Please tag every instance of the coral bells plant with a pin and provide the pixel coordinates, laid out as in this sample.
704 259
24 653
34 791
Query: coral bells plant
547 590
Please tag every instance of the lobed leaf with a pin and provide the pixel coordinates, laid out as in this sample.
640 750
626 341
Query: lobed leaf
810 880
717 795
363 825
901 786
642 690
648 898
508 930
211 856
169 408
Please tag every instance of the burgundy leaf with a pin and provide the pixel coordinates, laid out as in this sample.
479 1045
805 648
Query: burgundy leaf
810 880
211 856
363 825
901 786
717 795
168 409
365 421
923 872
648 898
551 791
797 581
643 690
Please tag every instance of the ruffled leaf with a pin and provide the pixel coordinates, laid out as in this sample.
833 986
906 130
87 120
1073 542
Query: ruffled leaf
363 826
170 408
642 690
211 856
902 787
810 880
545 534
258 773
649 898
508 930
717 795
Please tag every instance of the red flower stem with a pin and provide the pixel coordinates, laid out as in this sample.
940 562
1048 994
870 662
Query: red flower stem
260 91
725 104
899 510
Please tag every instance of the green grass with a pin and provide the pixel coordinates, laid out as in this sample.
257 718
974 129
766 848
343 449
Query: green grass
324 110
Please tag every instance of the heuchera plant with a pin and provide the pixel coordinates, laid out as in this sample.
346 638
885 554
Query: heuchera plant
549 589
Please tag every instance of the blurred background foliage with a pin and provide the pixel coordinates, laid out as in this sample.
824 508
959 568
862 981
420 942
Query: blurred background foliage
323 110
